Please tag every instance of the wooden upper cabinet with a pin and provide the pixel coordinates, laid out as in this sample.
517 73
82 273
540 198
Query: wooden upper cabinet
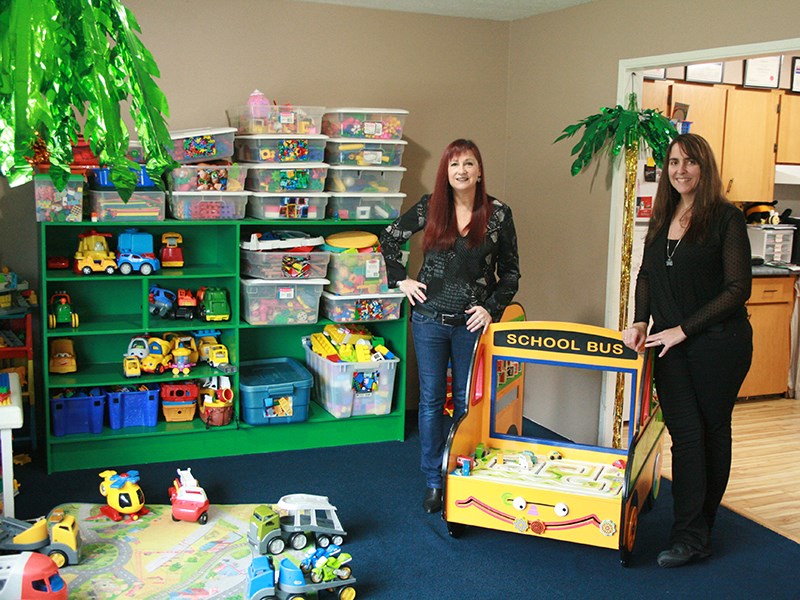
655 95
789 130
748 160
706 112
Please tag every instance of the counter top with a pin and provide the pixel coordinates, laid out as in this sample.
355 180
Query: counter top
768 271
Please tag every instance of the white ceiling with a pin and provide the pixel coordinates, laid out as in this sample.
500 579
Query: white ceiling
495 10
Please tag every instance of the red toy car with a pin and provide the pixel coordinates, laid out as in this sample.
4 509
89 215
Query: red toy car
189 500
57 262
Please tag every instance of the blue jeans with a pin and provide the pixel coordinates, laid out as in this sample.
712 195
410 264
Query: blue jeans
437 345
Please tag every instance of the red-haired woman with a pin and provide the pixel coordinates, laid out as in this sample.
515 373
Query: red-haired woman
469 274
694 281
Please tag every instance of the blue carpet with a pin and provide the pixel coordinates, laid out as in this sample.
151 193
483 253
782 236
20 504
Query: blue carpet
399 552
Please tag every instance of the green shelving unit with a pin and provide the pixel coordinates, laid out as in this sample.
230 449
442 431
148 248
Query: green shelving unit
114 308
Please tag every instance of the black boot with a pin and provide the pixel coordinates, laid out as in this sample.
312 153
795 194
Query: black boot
680 554
432 503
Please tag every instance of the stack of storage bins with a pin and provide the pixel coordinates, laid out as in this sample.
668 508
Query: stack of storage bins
207 186
284 150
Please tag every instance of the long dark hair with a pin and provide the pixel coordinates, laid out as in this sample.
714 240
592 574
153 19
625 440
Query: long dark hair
441 229
708 197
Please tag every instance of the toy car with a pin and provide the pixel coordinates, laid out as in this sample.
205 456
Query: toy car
57 262
188 499
61 311
127 263
214 304
162 301
138 347
62 356
93 254
131 366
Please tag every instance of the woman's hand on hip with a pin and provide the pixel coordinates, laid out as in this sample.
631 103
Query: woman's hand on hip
667 339
634 336
479 318
413 289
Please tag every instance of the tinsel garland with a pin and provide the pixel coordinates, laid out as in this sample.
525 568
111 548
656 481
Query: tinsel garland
65 68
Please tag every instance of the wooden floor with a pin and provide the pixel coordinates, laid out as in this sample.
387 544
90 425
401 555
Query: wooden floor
765 476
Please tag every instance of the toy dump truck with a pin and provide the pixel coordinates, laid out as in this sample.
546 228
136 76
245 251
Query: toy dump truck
60 540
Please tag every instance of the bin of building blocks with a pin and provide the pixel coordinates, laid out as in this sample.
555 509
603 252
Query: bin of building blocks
204 206
308 205
364 153
279 148
351 207
274 390
285 302
353 273
133 407
344 179
285 264
58 205
200 145
209 178
109 206
100 179
364 307
347 389
282 177
371 123
261 118
78 411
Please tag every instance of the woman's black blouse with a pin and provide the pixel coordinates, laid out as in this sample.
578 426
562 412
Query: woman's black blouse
460 277
708 283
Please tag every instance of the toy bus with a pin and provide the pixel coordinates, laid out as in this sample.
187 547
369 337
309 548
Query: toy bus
30 575
540 483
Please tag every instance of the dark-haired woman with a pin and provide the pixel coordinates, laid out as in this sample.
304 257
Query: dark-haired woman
469 274
693 283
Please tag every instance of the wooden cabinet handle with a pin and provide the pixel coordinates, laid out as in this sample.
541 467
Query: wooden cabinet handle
730 185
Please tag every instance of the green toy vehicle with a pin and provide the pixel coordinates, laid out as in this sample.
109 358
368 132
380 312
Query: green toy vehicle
61 311
213 304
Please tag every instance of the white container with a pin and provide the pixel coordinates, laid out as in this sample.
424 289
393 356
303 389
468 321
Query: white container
365 153
142 206
200 145
770 242
347 389
357 273
370 123
267 118
279 148
306 206
285 265
285 302
352 180
360 308
350 207
205 178
282 177
205 206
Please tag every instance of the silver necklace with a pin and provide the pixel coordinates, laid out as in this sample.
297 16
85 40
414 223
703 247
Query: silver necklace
671 254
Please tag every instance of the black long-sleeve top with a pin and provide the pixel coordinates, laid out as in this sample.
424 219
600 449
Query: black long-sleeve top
708 283
461 277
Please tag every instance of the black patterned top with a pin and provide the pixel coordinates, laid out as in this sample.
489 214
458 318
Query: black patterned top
461 277
707 283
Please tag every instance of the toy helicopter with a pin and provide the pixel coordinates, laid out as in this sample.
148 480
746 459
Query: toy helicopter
123 495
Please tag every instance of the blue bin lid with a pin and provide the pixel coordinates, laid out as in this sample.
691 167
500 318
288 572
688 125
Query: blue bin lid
273 372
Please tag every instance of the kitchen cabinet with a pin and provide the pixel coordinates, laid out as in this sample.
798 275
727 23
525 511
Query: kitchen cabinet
748 158
114 308
706 111
770 312
788 128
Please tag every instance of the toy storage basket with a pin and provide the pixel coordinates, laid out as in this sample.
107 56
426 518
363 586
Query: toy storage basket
81 413
133 408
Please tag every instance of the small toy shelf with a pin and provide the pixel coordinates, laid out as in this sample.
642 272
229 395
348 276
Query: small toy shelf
114 308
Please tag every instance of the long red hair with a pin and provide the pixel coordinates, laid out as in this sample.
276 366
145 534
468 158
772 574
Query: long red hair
441 228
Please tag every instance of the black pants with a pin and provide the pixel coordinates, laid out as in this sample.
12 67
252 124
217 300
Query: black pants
697 383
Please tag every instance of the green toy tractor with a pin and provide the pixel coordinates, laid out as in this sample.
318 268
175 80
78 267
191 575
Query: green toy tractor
61 311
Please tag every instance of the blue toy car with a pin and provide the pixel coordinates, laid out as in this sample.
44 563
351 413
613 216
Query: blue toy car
142 263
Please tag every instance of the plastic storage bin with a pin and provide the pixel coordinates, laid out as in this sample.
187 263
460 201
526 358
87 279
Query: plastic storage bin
268 118
199 145
371 123
357 273
61 206
78 413
274 390
100 179
209 178
350 207
367 307
137 408
310 205
142 206
279 148
352 389
285 302
345 179
202 206
365 153
772 243
280 177
284 265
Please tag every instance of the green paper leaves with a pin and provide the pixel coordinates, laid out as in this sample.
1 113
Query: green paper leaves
615 128
65 68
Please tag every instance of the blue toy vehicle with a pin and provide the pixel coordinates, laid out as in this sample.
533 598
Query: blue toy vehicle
291 582
143 263
162 301
135 253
